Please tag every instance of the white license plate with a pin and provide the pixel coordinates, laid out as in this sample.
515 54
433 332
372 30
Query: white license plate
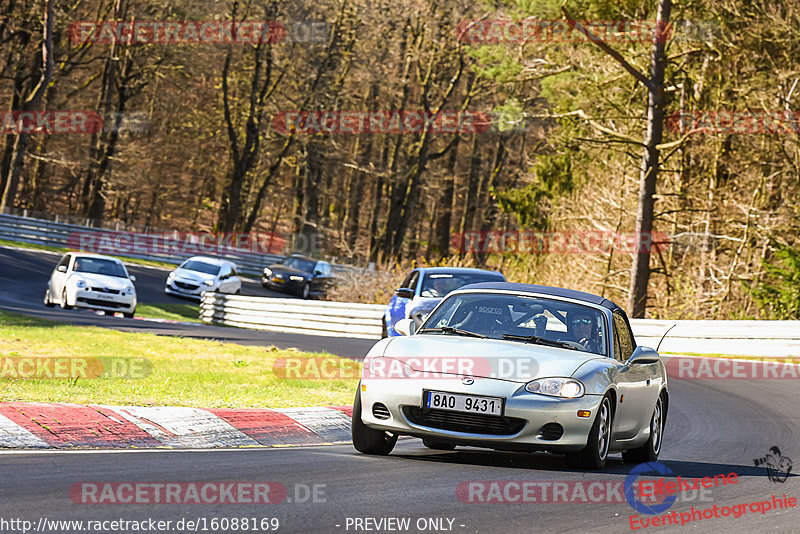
105 297
457 402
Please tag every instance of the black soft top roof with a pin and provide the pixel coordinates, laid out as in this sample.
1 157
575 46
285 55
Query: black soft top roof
547 290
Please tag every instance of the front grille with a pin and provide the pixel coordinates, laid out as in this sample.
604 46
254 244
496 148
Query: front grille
551 431
380 411
473 423
103 303
184 285
106 290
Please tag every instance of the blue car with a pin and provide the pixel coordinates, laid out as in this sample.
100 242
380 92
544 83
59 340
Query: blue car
425 287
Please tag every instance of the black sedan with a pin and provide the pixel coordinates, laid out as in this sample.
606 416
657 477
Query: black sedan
298 274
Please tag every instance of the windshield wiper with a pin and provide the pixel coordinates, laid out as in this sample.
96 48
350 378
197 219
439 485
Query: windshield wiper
454 330
539 341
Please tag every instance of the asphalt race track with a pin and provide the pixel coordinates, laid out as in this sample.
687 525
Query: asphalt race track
713 428
24 275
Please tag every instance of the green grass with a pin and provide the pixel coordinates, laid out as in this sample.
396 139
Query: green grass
172 311
185 372
64 250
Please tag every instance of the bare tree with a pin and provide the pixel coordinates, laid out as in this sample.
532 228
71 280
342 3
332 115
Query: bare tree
30 104
640 270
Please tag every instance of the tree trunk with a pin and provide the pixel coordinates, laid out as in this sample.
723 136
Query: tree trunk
31 104
472 190
11 139
255 212
439 243
640 270
492 210
245 156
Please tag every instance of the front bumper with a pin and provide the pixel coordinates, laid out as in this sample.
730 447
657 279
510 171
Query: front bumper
171 288
529 421
96 300
282 284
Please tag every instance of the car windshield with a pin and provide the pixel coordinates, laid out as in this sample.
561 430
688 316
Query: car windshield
99 266
525 319
201 267
437 285
300 264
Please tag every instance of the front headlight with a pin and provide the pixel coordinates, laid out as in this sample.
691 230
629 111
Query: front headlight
81 283
267 271
567 388
209 282
171 275
295 278
128 289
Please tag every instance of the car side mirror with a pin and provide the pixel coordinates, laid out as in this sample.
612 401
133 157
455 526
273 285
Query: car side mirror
643 355
132 278
61 268
404 293
405 327
317 273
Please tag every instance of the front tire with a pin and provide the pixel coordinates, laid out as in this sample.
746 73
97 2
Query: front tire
595 454
384 330
368 440
130 314
652 447
64 305
306 292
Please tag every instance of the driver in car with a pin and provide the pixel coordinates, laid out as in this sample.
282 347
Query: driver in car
584 329
440 288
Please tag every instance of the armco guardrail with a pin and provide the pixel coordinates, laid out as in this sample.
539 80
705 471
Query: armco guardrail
44 232
340 319
754 338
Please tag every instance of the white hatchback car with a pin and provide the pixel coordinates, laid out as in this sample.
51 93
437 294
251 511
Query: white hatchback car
91 281
200 273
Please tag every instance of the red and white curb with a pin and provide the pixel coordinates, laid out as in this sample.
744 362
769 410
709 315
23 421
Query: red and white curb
65 426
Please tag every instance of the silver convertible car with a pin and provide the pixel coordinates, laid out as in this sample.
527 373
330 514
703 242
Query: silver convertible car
516 367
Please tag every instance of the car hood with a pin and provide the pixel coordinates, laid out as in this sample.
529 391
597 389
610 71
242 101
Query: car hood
103 280
282 269
193 276
487 358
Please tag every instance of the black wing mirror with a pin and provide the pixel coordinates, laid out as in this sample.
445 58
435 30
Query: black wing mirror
404 292
643 355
